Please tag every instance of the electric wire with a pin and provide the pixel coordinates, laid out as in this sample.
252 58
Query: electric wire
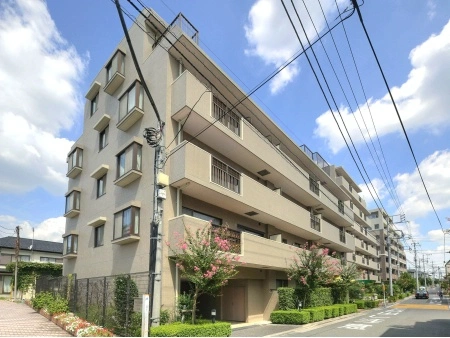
355 4
245 97
326 98
371 116
340 85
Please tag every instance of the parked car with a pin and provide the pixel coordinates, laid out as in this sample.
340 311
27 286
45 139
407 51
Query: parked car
422 293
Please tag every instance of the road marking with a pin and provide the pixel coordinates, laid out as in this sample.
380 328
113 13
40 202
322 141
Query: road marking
422 306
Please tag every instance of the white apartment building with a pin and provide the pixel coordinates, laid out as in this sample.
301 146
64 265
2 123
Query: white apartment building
230 166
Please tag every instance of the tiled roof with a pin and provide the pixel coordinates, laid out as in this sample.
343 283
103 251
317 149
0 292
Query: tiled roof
25 244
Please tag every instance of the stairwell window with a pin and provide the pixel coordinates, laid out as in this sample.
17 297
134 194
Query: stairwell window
315 222
225 116
225 176
126 222
103 138
94 104
101 186
98 235
341 206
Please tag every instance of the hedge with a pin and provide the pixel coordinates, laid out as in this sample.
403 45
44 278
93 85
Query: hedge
317 314
349 308
361 304
286 298
290 317
218 329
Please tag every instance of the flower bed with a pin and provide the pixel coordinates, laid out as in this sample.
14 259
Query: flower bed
79 327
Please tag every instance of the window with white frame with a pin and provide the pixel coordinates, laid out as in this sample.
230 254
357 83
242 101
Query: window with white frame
94 104
116 65
126 222
98 235
101 186
70 245
75 158
133 98
225 176
103 138
73 201
129 159
48 259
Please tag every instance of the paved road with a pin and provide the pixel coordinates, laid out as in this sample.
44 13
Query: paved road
19 320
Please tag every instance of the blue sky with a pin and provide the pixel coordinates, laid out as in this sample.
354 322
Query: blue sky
51 51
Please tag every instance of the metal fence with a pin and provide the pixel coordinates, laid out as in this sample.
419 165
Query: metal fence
112 302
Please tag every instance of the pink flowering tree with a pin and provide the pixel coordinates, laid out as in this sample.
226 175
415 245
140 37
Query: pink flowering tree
312 267
207 258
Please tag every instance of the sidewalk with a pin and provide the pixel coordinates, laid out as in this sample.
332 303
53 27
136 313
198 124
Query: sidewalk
19 320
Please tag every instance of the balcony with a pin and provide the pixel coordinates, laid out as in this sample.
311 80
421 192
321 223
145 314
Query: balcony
365 248
128 178
257 252
191 169
126 240
130 119
102 123
251 149
93 90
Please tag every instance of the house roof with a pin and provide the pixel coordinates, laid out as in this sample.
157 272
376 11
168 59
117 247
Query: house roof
25 244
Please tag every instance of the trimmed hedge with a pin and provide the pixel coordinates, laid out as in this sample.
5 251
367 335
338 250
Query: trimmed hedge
350 308
317 314
290 317
321 297
286 298
218 329
361 304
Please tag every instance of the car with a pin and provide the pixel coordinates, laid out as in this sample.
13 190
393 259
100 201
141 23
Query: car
422 293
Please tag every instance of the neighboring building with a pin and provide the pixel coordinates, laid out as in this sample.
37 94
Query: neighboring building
383 226
243 171
447 269
30 251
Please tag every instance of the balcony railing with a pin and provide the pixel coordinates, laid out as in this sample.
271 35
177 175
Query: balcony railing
314 186
233 237
315 222
342 236
225 176
225 116
341 207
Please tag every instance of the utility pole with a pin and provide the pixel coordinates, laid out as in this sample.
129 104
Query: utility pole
424 269
432 273
415 264
17 249
391 291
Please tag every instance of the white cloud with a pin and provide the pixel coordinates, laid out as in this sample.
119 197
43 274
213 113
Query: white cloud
40 73
50 229
431 5
436 175
422 100
272 38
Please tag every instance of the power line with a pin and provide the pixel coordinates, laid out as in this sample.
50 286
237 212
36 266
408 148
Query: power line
355 4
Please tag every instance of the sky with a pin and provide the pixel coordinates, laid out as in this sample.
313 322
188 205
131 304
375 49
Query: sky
52 50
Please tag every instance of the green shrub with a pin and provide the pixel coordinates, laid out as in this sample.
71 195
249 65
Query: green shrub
317 314
370 304
350 308
41 300
360 304
341 309
124 293
286 298
58 305
328 311
392 299
202 329
164 317
336 310
185 302
320 297
290 317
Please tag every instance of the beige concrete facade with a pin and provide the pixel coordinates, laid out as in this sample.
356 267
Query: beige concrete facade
239 169
382 225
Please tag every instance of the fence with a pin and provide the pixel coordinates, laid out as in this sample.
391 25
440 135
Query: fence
112 302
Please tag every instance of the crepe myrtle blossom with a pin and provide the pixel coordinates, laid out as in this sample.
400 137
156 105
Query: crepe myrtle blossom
207 258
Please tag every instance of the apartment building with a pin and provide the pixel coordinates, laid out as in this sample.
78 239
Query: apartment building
31 250
383 226
227 166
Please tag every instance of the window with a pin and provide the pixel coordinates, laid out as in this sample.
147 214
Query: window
116 65
129 159
94 104
24 258
225 176
101 186
126 222
377 226
243 228
314 186
103 138
351 204
341 206
70 244
133 98
48 259
351 188
281 283
225 116
75 159
315 222
284 240
73 201
98 235
198 214
342 234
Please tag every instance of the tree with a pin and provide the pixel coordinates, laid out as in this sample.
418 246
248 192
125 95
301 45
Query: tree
406 282
205 258
347 275
312 268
